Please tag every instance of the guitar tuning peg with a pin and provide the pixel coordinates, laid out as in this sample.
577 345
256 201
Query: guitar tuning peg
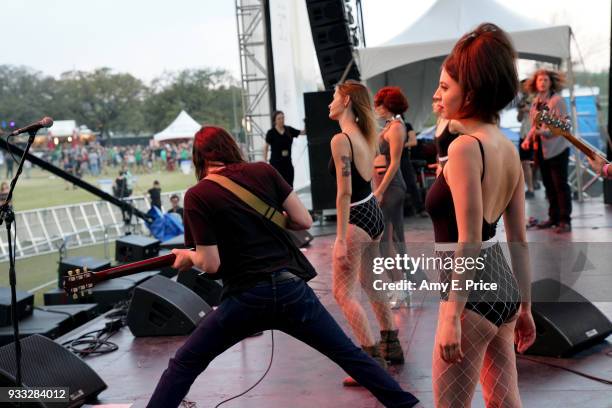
77 271
70 273
89 292
85 270
75 296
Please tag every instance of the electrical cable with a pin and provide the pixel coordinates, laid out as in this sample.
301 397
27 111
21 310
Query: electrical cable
571 370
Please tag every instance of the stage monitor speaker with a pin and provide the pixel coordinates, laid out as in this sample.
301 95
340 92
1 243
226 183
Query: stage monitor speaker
205 287
47 364
80 262
332 40
133 248
320 131
25 305
566 322
162 307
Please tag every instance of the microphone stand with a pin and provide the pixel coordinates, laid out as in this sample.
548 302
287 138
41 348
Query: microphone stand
8 217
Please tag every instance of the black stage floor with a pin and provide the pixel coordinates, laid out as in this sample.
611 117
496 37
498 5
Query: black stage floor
302 378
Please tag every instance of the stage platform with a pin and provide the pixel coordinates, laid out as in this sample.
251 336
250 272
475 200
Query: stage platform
302 378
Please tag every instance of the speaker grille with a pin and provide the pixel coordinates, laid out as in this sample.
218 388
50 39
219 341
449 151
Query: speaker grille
45 363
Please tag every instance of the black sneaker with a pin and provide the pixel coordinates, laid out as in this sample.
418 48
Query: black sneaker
563 228
547 224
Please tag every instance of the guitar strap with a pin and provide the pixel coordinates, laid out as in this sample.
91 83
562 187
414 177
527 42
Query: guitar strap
256 203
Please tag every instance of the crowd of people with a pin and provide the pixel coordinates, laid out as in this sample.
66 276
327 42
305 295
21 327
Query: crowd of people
95 159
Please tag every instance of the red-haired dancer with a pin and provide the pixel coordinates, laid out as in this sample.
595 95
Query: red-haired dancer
481 181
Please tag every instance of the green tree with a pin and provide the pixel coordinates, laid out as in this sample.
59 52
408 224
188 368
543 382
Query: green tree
20 94
203 93
103 100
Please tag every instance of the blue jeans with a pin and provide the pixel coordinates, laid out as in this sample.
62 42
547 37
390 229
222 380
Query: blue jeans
291 307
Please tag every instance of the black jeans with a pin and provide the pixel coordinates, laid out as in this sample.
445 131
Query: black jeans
291 307
554 177
411 182
285 168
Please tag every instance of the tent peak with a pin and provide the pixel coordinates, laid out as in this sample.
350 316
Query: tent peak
447 19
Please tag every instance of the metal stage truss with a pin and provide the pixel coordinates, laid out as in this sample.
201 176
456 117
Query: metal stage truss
252 36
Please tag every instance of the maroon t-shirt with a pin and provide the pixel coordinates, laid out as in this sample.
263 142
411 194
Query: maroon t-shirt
250 246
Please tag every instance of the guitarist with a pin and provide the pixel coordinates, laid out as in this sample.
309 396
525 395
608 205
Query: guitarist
551 152
264 274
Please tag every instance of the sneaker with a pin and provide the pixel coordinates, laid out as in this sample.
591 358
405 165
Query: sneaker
547 224
563 228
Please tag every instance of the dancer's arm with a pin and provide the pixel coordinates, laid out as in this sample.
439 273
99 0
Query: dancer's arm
463 172
463 177
516 235
342 160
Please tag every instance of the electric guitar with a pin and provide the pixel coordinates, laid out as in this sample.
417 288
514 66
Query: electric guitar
562 127
79 282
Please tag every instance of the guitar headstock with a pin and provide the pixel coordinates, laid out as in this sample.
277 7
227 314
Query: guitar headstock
554 123
78 282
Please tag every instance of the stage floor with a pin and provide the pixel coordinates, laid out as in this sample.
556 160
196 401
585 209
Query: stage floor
302 378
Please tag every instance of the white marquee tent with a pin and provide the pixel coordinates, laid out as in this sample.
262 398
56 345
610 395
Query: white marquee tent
412 60
183 127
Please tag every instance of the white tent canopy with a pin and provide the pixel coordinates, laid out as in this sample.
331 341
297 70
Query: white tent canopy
183 127
412 60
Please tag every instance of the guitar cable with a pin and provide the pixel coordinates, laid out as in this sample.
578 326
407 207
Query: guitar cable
271 356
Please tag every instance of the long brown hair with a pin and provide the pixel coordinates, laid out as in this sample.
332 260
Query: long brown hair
557 81
213 143
361 107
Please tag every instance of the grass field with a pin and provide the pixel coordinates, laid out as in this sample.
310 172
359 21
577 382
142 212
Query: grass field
38 270
43 189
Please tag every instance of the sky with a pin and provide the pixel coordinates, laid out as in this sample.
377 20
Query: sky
148 37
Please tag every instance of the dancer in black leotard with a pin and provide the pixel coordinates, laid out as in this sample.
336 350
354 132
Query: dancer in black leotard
359 222
364 211
481 181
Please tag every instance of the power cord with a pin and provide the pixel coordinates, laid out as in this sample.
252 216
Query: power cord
271 355
580 373
258 381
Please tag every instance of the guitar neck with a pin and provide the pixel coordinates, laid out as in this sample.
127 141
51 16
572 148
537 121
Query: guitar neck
135 267
580 145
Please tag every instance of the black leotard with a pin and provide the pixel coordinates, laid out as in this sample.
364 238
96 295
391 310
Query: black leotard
498 306
365 212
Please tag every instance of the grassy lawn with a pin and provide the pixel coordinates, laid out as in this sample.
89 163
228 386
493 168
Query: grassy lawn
38 270
44 189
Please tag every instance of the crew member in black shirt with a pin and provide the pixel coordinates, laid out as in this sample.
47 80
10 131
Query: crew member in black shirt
155 195
279 139
264 275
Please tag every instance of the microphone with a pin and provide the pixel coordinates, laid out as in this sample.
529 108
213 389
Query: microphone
34 127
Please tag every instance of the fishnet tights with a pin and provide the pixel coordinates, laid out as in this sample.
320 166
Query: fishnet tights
361 249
